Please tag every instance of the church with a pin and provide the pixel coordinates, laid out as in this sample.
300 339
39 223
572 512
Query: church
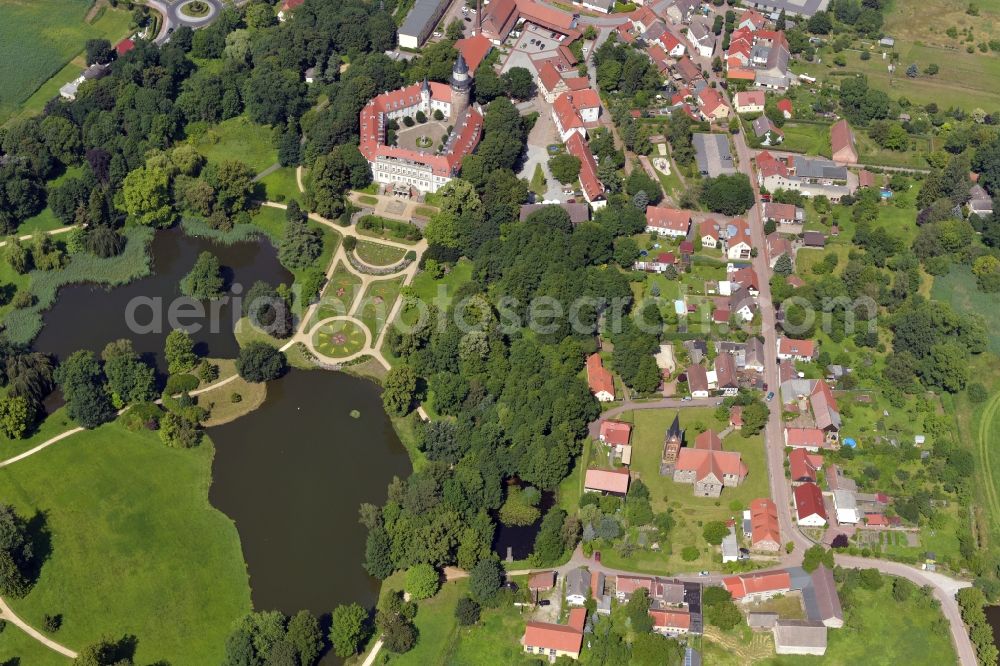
418 164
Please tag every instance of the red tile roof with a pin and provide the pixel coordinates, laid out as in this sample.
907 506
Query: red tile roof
812 438
809 501
598 376
668 218
607 480
592 185
669 619
764 526
474 49
741 586
615 432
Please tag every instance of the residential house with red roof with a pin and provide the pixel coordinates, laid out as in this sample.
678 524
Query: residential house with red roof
593 188
842 143
749 101
552 641
709 231
607 481
753 587
665 221
412 168
601 383
809 508
712 105
803 466
708 467
765 532
575 111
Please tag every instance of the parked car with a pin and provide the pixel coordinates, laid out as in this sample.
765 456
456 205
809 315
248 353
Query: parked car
770 396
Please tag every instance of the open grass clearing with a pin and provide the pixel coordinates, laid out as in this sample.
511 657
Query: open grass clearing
136 546
38 39
378 254
238 139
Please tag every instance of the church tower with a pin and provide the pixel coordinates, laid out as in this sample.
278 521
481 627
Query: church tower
461 88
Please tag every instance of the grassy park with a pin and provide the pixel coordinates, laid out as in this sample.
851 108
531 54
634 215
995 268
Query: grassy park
38 40
134 540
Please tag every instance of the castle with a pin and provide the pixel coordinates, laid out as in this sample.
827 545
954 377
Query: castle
426 170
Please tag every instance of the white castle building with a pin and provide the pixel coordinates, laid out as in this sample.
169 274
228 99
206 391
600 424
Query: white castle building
425 170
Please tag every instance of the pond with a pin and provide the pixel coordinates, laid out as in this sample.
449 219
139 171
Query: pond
87 316
292 475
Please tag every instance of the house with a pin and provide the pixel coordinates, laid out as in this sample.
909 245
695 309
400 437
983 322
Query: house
670 622
809 509
736 417
821 599
808 439
606 481
765 532
754 355
725 373
542 581
783 213
799 637
615 433
749 101
846 506
753 587
573 111
578 212
701 38
712 106
842 143
288 6
796 350
709 231
556 640
668 221
712 154
980 202
577 586
739 244
708 467
697 381
602 384
803 465
593 188
767 132
785 106
814 239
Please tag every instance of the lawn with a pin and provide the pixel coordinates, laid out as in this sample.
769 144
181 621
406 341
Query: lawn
690 512
39 38
808 138
136 546
377 302
378 254
238 139
339 339
958 288
338 296
281 185
873 634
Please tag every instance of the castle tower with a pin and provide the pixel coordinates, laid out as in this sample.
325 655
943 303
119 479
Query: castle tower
461 88
425 97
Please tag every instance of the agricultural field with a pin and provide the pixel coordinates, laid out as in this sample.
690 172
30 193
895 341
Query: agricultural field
38 39
133 540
